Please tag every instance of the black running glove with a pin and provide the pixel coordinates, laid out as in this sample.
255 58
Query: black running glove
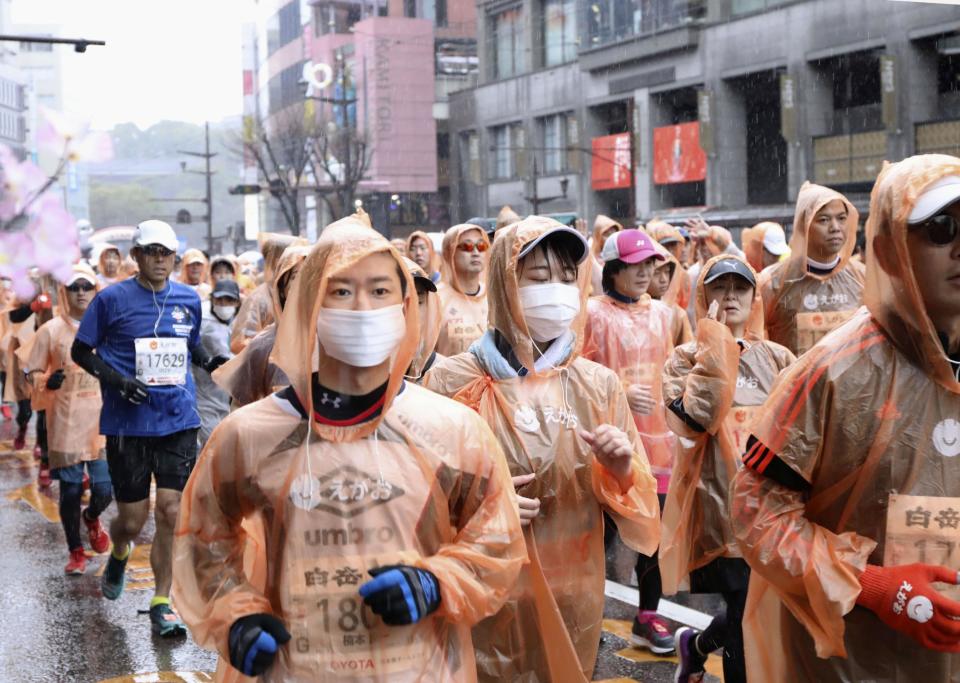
401 594
133 390
254 641
55 381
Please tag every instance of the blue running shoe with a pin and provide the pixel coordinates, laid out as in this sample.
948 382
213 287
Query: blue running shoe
165 623
114 576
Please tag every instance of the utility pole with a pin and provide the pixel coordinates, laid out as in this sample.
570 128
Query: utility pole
535 199
206 156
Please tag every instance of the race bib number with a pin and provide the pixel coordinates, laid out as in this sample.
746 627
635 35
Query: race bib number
740 422
162 361
341 630
641 373
812 327
460 335
923 529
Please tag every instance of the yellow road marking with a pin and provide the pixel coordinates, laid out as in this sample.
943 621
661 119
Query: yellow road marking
139 574
12 458
622 628
43 504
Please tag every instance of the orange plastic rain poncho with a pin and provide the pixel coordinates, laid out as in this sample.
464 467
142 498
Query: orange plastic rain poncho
253 374
550 629
464 316
869 412
721 387
256 311
203 288
73 410
635 340
660 231
424 484
752 241
426 355
801 307
103 279
17 336
506 216
682 331
434 262
600 225
7 303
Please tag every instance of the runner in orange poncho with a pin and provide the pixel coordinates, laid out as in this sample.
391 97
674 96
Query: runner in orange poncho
572 446
847 504
368 488
817 287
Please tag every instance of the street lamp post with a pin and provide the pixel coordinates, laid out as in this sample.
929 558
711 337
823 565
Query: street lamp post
79 44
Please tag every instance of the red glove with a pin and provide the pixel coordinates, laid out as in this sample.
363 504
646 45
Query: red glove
41 303
904 599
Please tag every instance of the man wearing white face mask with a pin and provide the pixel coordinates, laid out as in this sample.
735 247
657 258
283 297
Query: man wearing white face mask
572 446
213 403
392 520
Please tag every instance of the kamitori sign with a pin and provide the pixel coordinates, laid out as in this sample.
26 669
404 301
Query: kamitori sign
612 166
677 155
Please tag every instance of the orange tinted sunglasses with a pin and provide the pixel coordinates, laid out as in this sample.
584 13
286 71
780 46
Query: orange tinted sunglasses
469 247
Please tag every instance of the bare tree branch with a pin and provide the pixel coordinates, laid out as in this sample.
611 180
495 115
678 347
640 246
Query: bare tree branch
292 145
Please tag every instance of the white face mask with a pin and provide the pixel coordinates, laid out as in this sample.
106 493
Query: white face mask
549 309
362 339
224 313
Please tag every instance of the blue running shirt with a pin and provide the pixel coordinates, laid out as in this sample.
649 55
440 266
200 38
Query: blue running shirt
119 315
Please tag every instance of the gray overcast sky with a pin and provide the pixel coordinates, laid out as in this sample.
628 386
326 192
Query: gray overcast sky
164 59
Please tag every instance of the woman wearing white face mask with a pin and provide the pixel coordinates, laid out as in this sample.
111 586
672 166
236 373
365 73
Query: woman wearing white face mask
566 429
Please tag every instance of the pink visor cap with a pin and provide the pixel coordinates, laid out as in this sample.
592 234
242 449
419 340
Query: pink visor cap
629 246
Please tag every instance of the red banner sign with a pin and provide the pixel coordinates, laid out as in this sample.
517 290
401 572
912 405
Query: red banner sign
612 166
677 155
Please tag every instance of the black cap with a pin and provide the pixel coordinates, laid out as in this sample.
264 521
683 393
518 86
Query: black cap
573 240
489 225
730 266
430 285
226 288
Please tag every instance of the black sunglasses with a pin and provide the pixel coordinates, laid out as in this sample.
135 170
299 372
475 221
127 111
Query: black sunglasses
156 250
940 230
80 287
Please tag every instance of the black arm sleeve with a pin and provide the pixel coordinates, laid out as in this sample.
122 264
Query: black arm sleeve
676 407
763 461
199 356
20 313
83 355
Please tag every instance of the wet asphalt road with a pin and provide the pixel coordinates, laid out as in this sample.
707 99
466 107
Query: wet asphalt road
58 628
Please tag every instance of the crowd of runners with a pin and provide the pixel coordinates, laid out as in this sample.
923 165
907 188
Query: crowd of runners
404 461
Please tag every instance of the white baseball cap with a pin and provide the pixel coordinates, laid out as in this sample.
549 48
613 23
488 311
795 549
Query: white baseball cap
156 232
775 240
81 276
936 196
